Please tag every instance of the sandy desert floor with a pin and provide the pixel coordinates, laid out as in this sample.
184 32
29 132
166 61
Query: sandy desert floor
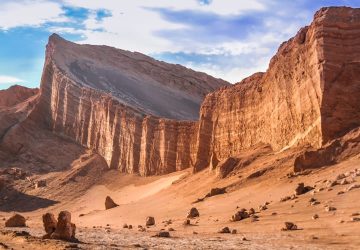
170 197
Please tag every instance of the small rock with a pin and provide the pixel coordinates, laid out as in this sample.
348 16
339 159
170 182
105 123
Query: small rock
274 213
163 234
263 207
171 229
240 215
290 226
16 220
340 193
355 214
150 221
193 213
329 209
302 189
125 226
315 217
225 230
234 231
130 227
355 219
195 232
251 211
314 203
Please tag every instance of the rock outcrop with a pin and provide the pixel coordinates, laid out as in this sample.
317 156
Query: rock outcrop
308 96
65 230
136 112
15 95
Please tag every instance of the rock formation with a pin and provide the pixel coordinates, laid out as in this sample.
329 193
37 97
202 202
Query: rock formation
65 230
50 224
124 105
140 114
308 96
15 95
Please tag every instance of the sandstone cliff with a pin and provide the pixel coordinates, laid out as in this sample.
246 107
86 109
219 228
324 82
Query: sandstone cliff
139 114
129 108
308 96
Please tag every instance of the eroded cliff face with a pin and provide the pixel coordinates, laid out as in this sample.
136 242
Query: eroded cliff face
308 96
140 114
125 132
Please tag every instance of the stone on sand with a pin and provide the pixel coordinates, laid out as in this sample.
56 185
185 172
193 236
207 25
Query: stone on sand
193 213
150 221
109 203
16 220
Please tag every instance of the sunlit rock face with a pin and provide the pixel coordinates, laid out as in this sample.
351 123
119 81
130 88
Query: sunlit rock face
308 96
138 113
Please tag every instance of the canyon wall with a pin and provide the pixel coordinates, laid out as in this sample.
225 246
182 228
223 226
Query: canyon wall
140 114
308 96
126 135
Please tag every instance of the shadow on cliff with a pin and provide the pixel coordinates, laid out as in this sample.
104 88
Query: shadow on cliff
20 202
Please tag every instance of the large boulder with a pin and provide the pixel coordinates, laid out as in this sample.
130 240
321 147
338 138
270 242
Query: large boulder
65 230
16 220
109 203
193 213
50 224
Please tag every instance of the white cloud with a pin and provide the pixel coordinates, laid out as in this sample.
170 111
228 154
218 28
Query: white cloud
10 80
32 13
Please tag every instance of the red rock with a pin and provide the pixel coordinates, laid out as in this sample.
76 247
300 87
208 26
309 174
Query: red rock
109 203
308 96
49 223
65 230
16 220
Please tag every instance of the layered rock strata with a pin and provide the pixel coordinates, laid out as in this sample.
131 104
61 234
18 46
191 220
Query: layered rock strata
308 96
123 128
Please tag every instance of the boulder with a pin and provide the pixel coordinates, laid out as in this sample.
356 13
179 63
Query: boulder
240 215
193 213
150 221
302 189
49 223
16 220
65 230
109 203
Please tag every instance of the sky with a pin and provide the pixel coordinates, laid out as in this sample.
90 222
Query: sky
228 39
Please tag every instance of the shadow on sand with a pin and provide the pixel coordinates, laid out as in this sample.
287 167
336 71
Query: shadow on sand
20 202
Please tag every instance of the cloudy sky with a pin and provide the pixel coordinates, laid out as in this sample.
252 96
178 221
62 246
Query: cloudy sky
230 39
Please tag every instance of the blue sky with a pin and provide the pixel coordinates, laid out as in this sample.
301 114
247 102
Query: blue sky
230 39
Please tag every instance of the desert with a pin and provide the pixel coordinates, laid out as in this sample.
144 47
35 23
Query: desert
117 150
